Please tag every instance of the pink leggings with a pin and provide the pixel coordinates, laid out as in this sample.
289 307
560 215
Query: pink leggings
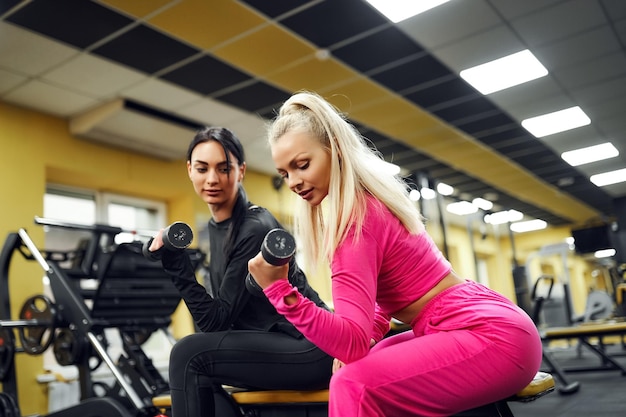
469 346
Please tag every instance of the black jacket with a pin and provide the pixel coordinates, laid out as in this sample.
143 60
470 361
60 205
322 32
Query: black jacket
228 304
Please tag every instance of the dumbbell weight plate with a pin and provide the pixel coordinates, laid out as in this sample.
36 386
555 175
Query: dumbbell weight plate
178 235
278 247
36 339
68 348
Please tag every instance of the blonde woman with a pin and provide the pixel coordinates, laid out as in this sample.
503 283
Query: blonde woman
468 345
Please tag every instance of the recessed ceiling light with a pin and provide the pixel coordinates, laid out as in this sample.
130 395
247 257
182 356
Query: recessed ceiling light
505 72
604 253
482 204
502 217
555 122
590 154
461 208
399 10
445 189
427 193
528 226
608 178
414 195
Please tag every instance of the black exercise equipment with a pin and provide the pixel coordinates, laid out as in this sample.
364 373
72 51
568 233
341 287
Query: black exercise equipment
277 249
7 352
133 295
35 328
176 236
93 407
566 386
8 406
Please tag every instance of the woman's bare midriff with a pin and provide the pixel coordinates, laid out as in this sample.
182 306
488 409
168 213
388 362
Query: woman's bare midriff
408 313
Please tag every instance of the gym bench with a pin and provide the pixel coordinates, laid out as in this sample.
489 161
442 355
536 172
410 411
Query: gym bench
287 403
583 333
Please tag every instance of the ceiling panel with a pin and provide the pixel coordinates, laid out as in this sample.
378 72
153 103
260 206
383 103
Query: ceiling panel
78 23
93 76
194 75
145 49
30 53
539 28
233 62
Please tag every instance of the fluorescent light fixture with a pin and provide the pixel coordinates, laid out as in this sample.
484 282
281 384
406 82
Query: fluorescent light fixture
428 194
461 208
502 217
555 122
528 226
399 10
505 72
414 195
444 189
590 154
608 178
604 253
482 204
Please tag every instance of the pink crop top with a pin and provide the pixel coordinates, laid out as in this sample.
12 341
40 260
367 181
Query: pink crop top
381 272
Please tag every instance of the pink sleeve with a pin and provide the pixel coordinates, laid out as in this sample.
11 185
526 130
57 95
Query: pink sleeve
382 324
346 333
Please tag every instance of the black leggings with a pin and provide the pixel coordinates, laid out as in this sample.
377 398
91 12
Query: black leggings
201 363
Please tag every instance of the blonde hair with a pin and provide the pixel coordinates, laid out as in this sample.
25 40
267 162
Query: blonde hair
356 170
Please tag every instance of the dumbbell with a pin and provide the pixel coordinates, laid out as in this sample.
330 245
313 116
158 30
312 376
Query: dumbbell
277 249
176 236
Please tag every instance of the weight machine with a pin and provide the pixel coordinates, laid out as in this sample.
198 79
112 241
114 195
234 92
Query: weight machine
133 295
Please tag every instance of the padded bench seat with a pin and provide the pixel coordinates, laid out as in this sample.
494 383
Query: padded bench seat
593 329
542 384
583 332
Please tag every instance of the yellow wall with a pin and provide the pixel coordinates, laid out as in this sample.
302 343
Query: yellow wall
37 149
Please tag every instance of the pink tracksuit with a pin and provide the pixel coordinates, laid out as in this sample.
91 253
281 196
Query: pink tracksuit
468 346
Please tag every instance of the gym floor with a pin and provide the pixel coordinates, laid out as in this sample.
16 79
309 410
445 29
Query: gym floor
601 393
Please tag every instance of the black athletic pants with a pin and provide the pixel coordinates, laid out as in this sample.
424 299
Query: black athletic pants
202 362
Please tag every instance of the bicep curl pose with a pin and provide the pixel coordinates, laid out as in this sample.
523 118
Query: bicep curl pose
243 341
384 265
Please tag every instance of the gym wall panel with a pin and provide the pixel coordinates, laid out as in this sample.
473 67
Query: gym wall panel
22 185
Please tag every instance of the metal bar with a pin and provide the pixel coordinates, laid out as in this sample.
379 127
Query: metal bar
119 377
25 323
33 250
97 228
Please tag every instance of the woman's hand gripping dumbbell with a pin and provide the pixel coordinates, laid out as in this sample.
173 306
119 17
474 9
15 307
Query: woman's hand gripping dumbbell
277 249
175 237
